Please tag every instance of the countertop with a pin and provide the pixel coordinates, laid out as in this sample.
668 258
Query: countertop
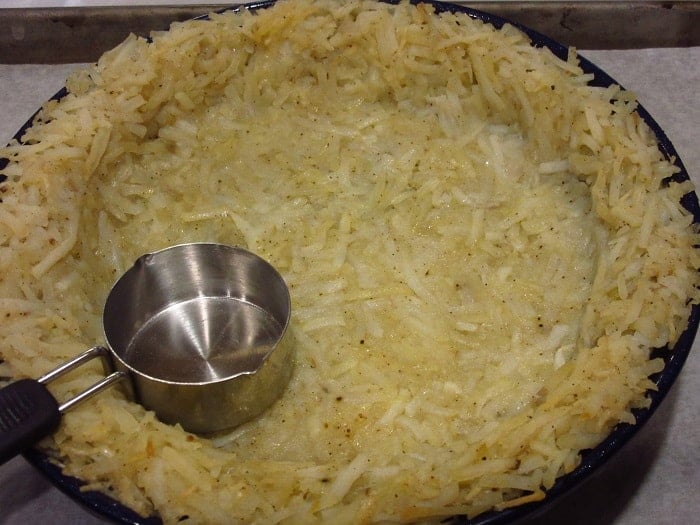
653 479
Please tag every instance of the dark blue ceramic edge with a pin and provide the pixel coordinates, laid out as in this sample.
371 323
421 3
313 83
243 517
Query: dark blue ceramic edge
105 506
98 503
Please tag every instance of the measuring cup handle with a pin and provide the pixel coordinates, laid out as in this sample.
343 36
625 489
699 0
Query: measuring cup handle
28 413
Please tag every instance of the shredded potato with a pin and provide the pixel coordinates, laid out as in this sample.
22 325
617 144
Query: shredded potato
480 247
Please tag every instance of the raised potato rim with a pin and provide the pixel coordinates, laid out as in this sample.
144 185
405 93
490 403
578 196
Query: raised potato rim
674 361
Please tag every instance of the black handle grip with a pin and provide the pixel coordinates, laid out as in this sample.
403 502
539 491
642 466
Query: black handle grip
28 413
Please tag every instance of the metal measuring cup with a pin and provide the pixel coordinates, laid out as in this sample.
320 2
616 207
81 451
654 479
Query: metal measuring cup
196 332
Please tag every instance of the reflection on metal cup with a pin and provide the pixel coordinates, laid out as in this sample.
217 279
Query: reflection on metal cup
202 331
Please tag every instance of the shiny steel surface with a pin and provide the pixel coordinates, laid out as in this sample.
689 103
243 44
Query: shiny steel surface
96 352
201 329
203 339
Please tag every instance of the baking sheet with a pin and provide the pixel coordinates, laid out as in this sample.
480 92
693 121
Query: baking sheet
654 479
87 28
